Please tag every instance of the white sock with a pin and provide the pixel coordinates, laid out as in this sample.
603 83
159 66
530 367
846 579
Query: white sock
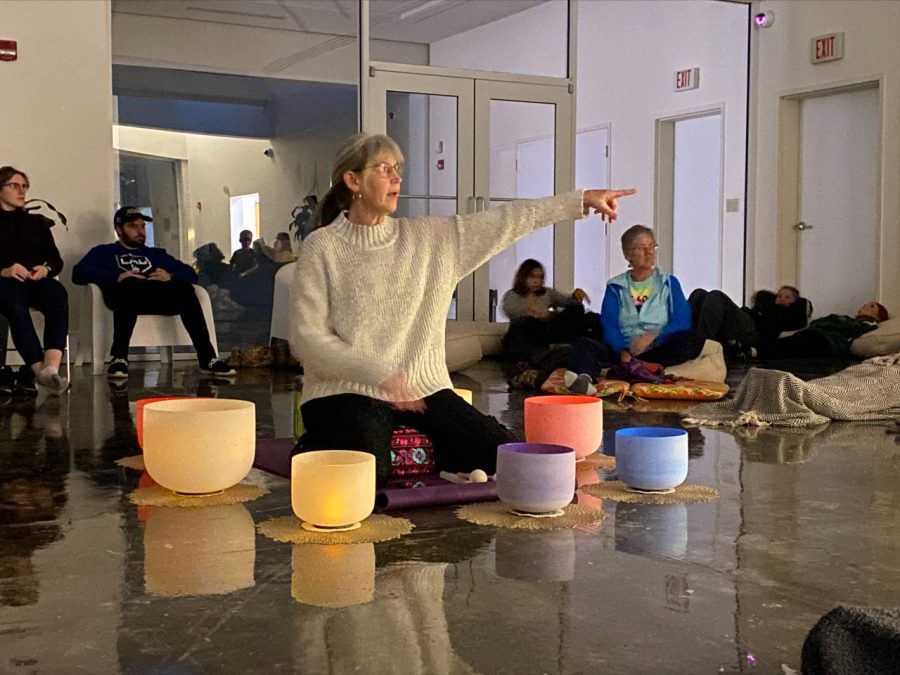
569 378
582 384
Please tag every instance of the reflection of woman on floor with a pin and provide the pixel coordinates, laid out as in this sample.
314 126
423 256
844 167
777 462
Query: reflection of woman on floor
539 316
370 303
828 337
644 315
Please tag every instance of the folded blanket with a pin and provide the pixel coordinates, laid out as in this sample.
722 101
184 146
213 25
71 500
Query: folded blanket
869 391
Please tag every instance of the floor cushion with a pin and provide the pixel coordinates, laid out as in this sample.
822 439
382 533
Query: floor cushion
684 389
883 340
708 367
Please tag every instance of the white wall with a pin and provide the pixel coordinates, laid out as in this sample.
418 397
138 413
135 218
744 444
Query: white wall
782 66
219 167
56 115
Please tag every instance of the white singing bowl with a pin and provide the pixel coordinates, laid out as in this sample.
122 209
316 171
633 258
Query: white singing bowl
199 445
333 489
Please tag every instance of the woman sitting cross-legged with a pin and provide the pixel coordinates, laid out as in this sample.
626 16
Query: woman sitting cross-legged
644 315
539 316
29 263
370 300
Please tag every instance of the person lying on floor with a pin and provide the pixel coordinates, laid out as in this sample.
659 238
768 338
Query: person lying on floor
828 337
644 315
718 318
370 301
539 315
776 313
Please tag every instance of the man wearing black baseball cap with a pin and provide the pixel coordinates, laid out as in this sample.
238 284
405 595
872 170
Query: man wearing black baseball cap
138 279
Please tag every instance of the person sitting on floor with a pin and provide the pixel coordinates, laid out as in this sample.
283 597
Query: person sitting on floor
138 279
539 316
644 314
828 337
368 316
29 265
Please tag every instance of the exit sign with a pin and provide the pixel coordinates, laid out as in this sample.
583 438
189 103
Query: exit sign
689 78
827 47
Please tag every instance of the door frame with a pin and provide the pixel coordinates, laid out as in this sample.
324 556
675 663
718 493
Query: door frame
788 181
664 182
473 120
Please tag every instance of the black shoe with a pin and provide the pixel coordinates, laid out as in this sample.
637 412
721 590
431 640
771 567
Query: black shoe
7 380
117 370
25 382
218 367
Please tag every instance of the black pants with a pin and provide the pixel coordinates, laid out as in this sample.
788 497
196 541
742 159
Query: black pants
49 297
718 318
463 438
804 344
133 297
590 356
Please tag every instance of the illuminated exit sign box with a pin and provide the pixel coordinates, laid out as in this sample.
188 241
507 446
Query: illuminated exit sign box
687 79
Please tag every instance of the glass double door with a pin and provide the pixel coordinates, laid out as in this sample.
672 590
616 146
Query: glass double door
472 143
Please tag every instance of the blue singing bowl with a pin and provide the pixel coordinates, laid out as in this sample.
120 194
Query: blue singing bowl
652 458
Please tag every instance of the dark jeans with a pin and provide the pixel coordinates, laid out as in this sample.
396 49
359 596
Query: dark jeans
528 337
49 297
463 438
133 297
590 356
718 318
804 344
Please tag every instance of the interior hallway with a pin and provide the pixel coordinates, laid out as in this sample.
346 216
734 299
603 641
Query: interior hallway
90 583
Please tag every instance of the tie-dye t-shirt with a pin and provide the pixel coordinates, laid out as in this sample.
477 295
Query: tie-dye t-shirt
641 291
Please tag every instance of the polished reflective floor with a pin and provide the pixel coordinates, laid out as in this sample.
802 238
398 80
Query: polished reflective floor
89 583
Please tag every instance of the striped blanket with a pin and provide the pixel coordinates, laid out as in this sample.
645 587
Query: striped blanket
868 391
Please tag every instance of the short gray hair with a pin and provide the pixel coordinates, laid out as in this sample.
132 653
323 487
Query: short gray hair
632 233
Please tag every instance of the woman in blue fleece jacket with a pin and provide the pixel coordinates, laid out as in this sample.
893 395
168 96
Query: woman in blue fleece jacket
644 315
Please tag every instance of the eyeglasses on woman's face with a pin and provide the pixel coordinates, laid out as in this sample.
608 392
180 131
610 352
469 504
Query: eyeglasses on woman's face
386 170
648 249
17 187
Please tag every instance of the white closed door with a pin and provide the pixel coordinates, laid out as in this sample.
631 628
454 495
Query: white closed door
840 173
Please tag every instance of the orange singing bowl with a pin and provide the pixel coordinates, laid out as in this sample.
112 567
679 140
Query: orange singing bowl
575 421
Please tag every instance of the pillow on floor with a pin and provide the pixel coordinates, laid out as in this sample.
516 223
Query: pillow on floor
684 390
883 340
709 366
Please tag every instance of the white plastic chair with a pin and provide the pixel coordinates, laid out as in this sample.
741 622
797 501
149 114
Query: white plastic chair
281 303
151 330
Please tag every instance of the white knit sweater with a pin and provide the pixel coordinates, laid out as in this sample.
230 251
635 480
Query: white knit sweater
371 301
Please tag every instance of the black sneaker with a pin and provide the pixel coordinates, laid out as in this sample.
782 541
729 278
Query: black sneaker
7 380
117 370
218 367
25 382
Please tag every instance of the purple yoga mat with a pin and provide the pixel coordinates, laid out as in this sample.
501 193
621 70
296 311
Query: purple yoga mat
274 455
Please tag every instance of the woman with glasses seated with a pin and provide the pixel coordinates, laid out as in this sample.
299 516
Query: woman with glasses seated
644 316
371 296
29 263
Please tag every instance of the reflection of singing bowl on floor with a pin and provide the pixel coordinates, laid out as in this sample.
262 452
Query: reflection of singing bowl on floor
199 551
333 488
652 458
575 421
199 445
544 555
652 529
333 575
139 414
535 477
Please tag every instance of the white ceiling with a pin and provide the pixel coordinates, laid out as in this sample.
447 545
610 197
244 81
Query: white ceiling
421 21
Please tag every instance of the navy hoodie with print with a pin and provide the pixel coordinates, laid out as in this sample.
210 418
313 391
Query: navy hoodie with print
103 264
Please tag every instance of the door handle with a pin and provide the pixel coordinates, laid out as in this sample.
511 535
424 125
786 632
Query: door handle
479 204
471 204
802 226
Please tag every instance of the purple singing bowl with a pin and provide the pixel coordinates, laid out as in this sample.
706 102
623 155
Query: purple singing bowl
535 477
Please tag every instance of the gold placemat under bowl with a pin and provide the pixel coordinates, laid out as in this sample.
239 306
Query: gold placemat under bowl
135 462
375 528
498 514
597 461
685 493
160 496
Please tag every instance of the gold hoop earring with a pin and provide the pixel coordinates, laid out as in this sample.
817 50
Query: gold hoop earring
357 195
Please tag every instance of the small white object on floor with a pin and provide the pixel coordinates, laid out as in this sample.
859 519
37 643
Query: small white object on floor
453 478
478 476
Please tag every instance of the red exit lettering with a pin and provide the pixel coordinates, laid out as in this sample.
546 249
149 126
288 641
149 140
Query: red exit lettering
683 79
825 47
